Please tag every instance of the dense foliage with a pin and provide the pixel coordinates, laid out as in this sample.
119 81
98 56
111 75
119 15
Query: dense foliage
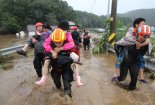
90 20
102 42
16 14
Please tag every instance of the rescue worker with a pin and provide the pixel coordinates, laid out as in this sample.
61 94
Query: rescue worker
39 49
74 54
86 40
121 51
30 43
131 61
64 25
60 62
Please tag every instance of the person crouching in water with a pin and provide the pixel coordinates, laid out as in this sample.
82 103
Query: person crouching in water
60 62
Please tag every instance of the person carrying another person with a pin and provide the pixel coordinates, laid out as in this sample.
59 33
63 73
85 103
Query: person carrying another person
39 49
67 46
60 61
129 39
30 43
131 59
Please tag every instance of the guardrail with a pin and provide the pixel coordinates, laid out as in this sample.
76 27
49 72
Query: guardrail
10 50
149 62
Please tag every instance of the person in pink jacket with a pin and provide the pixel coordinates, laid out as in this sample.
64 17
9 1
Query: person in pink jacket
67 46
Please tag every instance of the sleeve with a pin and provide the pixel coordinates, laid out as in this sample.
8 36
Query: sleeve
70 41
46 45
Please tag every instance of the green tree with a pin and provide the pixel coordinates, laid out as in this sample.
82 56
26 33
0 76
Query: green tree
22 12
16 14
9 23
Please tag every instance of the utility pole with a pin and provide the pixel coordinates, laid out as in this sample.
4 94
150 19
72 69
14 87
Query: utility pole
113 16
112 35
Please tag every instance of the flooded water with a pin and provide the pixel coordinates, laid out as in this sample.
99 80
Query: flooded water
18 85
153 35
11 40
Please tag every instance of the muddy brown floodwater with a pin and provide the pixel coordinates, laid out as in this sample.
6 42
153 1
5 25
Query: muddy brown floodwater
17 85
11 40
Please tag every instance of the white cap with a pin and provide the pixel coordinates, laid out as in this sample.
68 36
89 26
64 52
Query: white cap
74 56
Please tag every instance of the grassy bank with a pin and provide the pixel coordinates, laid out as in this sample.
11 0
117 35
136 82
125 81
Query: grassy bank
6 62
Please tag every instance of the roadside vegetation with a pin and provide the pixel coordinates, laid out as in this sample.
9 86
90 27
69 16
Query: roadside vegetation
6 62
153 45
101 40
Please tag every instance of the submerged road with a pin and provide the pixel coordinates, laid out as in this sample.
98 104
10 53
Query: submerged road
17 86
